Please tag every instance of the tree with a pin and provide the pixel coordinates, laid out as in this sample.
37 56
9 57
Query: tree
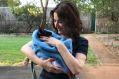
44 9
13 4
109 8
30 14
84 6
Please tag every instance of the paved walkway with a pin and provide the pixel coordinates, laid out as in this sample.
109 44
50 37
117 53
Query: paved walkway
10 72
109 68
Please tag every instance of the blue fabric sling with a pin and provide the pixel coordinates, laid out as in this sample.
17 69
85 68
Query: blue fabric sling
45 51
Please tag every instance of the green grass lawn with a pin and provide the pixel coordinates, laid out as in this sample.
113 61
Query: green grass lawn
10 49
10 53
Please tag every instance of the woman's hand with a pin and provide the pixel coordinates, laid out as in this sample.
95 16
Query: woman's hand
51 40
49 67
47 64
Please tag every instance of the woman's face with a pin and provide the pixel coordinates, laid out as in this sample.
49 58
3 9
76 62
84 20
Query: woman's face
58 24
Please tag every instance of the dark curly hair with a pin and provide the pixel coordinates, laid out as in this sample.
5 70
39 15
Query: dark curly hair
69 15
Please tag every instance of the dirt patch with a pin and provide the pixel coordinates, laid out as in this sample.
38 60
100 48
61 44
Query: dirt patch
101 51
109 68
102 72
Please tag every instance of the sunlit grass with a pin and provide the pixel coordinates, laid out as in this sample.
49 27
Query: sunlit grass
10 49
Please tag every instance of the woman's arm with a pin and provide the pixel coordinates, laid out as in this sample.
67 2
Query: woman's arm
46 64
75 64
27 50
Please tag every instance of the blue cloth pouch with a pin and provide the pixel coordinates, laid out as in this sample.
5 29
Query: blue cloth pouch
45 51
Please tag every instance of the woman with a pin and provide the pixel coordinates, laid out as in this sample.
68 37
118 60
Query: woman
66 22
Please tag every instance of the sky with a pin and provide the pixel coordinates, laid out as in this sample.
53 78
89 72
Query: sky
37 2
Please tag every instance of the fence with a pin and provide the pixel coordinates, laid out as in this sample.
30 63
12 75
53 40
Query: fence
86 22
14 26
105 25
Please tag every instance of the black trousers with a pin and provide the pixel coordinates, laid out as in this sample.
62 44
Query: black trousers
48 75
